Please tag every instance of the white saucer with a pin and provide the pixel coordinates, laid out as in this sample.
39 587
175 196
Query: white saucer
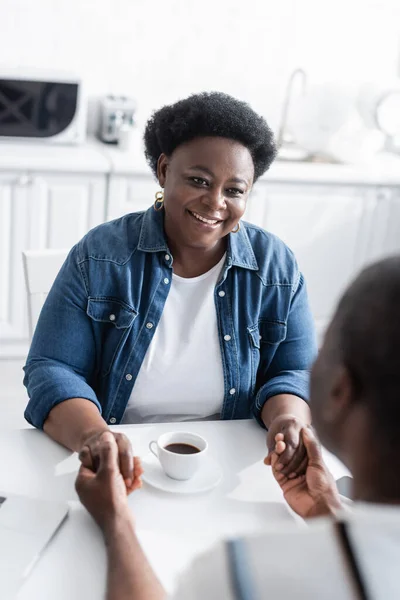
207 477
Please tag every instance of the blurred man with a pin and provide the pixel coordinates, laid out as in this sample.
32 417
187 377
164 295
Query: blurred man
355 405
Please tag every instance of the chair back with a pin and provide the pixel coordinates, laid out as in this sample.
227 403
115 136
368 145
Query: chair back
40 270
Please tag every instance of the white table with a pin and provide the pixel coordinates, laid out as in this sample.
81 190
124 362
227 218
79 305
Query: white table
172 528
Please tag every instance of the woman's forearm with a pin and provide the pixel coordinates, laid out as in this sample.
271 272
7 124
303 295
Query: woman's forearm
73 421
285 404
130 576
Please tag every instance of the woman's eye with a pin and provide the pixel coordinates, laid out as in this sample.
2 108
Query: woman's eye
235 192
199 180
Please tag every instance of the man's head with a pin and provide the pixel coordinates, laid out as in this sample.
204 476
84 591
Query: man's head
355 381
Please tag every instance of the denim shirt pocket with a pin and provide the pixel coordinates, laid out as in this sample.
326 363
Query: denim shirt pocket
265 336
114 319
271 332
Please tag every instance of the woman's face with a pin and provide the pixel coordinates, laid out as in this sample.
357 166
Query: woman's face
206 185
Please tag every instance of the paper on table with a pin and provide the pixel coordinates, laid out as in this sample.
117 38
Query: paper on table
169 556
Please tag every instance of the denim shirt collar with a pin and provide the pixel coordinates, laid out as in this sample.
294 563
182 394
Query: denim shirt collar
152 239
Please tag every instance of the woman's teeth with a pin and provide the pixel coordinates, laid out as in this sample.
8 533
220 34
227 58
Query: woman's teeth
200 218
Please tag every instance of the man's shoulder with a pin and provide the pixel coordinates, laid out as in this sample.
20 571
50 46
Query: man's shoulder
114 241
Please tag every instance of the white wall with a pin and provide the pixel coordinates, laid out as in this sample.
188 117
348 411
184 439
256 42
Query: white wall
159 50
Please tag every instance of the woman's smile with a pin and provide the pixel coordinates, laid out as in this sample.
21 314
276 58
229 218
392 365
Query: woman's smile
203 221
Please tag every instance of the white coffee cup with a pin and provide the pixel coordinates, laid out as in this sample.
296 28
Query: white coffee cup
175 464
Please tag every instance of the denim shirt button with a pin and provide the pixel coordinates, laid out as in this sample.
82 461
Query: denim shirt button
232 391
227 338
112 317
149 325
221 293
166 281
167 257
128 377
113 420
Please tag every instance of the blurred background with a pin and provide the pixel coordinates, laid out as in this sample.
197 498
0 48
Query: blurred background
79 79
158 51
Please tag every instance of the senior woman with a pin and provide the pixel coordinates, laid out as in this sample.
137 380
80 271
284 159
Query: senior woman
181 312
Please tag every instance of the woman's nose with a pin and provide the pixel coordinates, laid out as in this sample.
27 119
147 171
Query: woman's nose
215 199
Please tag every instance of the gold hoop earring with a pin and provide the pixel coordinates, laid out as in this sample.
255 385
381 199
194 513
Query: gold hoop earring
159 201
237 228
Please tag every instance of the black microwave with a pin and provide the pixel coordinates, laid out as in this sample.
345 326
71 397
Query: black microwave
44 107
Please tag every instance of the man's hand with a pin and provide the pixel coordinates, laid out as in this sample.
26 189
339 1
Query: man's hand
104 492
293 458
130 468
314 493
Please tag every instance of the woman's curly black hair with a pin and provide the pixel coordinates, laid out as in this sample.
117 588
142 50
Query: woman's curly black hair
209 114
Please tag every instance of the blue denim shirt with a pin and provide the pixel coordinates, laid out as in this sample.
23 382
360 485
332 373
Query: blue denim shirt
103 309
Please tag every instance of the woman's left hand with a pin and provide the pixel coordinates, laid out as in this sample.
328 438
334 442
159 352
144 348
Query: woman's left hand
293 460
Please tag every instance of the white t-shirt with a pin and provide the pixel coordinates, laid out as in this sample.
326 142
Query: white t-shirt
307 563
181 377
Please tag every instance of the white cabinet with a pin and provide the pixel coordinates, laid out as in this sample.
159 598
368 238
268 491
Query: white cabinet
64 208
39 211
384 226
127 194
391 241
327 228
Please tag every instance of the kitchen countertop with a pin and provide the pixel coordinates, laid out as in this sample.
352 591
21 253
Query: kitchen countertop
384 170
85 158
96 157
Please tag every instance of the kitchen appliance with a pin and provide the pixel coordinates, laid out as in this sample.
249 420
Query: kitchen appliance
379 106
42 106
117 113
318 115
288 149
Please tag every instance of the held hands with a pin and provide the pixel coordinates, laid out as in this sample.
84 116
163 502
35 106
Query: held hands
293 457
104 492
130 467
310 494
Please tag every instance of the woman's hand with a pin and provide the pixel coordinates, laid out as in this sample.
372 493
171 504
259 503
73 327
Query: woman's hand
104 492
313 493
130 467
293 459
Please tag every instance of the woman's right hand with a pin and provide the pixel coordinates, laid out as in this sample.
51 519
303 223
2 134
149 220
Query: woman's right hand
313 493
130 466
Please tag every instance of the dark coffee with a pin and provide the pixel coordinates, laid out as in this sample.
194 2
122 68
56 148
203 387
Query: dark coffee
182 448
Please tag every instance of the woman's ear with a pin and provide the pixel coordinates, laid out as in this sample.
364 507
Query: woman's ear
162 166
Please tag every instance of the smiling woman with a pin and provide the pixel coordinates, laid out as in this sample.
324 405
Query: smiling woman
182 312
204 199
